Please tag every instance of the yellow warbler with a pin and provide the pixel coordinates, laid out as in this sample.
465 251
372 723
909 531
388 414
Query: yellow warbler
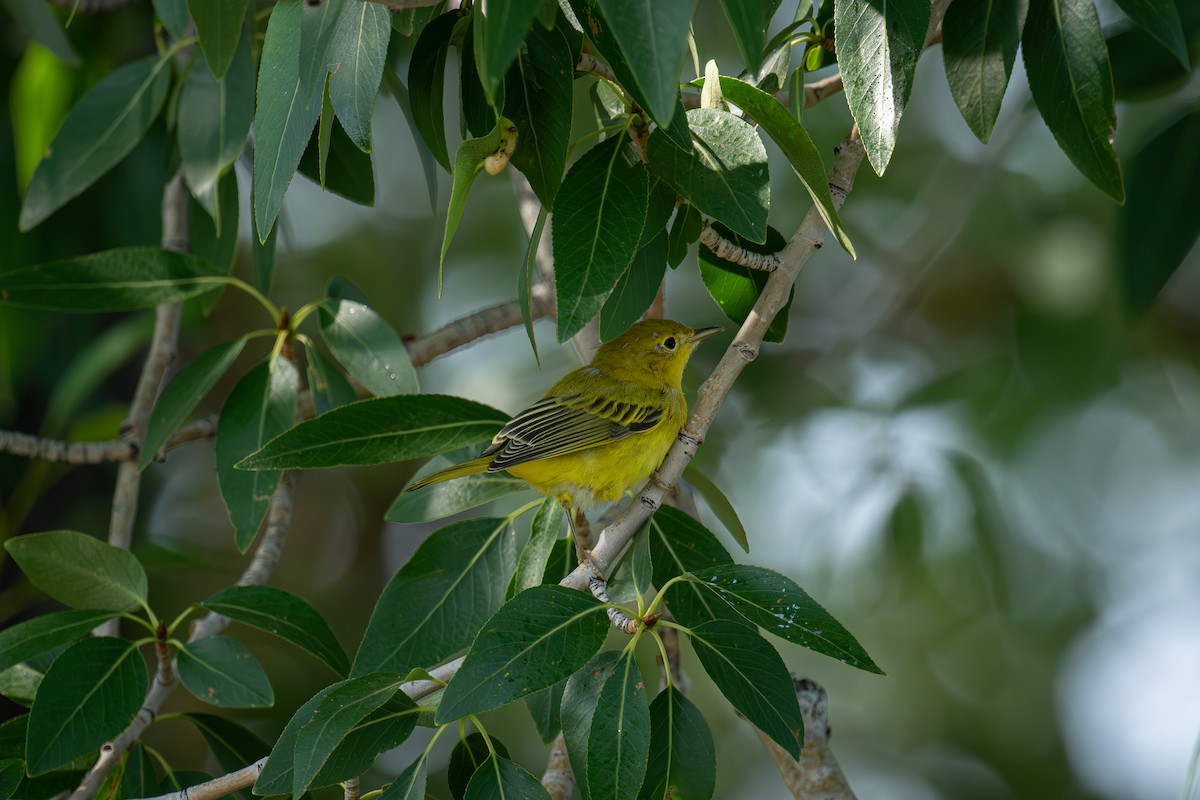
602 429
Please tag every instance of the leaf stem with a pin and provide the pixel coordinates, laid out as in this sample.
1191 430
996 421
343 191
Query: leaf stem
666 660
255 293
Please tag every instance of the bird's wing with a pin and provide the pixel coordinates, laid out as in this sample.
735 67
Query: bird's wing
563 424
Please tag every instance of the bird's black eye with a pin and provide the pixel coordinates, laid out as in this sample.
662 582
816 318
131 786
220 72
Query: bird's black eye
669 343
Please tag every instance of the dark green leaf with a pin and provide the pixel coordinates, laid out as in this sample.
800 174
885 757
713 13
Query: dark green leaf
980 39
725 173
287 110
215 119
752 677
634 574
749 20
468 160
682 757
719 504
535 640
1069 76
526 280
636 289
328 385
543 532
445 499
43 25
660 206
409 784
90 693
219 27
41 634
428 167
468 756
600 213
1160 19
545 707
317 171
378 431
653 39
1158 226
356 57
679 544
736 288
619 736
501 779
285 615
878 45
12 771
795 143
685 229
478 111
349 172
538 99
231 744
437 602
775 603
580 697
174 16
20 684
262 405
365 344
100 130
124 279
426 79
222 672
184 393
138 779
1142 69
215 237
80 571
498 29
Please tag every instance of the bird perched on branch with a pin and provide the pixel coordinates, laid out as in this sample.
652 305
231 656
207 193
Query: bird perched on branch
600 430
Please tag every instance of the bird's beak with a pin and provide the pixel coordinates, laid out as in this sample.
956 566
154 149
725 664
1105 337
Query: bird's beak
703 333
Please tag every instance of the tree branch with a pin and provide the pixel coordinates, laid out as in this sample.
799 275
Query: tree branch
723 248
219 787
29 446
476 325
817 775
558 779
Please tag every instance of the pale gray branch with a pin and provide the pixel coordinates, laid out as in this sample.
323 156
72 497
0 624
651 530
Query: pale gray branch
218 787
817 775
723 248
29 446
558 779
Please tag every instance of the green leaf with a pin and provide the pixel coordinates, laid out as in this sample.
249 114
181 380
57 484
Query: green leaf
12 772
526 280
174 16
619 735
878 45
580 698
636 289
20 684
795 143
184 393
719 504
80 571
660 206
736 288
41 634
468 755
679 544
545 707
434 606
682 757
724 175
543 533
749 20
685 229
501 779
90 693
653 40
598 221
261 406
350 172
288 108
468 160
1157 227
498 30
219 27
124 279
100 130
357 53
216 117
980 39
383 729
231 744
426 80
538 99
41 23
441 500
1142 69
215 237
535 640
341 709
329 387
753 679
285 615
409 784
138 778
379 431
775 603
222 672
1160 19
365 344
1071 83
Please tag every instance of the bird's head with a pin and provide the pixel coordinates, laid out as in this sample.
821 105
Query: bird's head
654 349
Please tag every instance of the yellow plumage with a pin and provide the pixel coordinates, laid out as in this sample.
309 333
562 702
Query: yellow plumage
602 429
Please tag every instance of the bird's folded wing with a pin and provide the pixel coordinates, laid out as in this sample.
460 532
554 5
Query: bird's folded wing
564 424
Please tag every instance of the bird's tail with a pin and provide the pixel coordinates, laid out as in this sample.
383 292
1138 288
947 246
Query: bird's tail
472 467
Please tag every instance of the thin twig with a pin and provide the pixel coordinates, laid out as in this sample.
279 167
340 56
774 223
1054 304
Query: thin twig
350 789
723 248
474 326
29 446
558 779
817 91
817 775
218 787
195 431
589 63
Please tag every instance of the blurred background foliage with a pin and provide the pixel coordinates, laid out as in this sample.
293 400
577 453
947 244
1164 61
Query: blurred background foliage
978 446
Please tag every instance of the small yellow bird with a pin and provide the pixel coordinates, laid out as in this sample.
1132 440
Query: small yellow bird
602 429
